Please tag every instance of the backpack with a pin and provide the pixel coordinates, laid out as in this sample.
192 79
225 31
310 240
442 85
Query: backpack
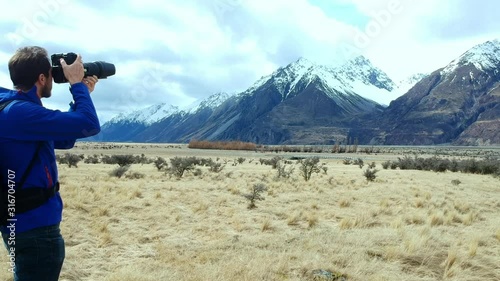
13 198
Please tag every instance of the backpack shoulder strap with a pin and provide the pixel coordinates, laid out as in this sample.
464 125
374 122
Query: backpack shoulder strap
4 104
30 166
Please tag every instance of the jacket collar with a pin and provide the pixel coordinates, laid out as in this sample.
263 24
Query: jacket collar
6 95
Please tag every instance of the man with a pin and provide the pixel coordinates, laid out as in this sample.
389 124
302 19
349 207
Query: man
29 133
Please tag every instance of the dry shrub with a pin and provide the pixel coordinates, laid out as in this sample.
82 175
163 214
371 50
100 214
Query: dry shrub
255 194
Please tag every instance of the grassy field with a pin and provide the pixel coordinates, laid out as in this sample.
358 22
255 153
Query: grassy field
405 225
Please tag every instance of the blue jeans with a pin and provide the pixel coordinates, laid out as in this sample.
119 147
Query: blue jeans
39 253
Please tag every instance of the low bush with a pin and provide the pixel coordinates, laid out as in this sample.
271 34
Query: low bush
255 194
70 159
309 166
370 174
284 171
160 163
487 166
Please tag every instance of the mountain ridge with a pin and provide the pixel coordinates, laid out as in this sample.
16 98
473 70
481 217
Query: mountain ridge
305 102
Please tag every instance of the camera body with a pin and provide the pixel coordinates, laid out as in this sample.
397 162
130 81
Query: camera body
100 69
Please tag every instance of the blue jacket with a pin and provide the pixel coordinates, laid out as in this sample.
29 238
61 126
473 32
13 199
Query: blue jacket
23 124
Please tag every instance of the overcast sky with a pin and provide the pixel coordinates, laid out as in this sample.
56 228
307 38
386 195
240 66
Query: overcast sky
181 51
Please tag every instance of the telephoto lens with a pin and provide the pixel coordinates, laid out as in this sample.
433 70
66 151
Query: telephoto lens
100 69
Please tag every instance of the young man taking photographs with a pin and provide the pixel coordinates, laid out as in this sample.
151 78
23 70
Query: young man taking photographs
29 133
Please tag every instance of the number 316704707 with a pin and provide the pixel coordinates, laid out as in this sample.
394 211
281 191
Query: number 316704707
11 183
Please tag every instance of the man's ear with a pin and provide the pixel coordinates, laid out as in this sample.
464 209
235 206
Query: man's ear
42 79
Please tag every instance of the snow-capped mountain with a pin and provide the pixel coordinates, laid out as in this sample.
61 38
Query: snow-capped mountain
157 112
361 69
146 116
484 57
459 103
300 95
212 101
357 76
406 84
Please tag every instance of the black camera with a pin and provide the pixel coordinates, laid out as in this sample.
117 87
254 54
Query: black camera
100 69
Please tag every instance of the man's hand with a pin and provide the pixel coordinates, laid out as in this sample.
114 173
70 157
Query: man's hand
73 72
90 81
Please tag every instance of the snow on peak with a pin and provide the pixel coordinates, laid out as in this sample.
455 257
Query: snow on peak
406 84
286 78
485 56
302 63
360 68
148 115
212 101
357 76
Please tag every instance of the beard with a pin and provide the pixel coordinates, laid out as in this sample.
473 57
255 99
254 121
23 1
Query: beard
46 91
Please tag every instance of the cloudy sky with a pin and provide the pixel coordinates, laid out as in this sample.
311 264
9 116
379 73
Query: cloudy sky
180 51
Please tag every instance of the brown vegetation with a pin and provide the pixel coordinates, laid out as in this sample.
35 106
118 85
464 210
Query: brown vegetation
404 225
229 145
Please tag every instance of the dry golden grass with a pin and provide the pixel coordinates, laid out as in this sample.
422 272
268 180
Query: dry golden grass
406 225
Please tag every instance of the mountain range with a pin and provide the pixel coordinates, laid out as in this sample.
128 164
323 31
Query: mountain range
308 103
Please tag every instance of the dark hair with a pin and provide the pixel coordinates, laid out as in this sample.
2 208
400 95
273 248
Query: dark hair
26 65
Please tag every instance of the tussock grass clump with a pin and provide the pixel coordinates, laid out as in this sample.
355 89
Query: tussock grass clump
344 203
294 218
312 220
135 175
436 220
267 225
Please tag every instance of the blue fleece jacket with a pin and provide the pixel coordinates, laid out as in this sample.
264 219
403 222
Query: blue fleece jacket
24 123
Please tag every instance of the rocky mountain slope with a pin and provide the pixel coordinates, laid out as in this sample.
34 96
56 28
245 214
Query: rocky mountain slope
294 104
457 104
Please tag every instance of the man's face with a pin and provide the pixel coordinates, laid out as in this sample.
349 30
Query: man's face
47 88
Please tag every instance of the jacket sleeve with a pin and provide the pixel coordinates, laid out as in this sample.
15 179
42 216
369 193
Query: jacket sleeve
67 144
30 121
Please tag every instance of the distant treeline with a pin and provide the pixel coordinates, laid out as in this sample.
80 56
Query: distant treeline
239 145
229 145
